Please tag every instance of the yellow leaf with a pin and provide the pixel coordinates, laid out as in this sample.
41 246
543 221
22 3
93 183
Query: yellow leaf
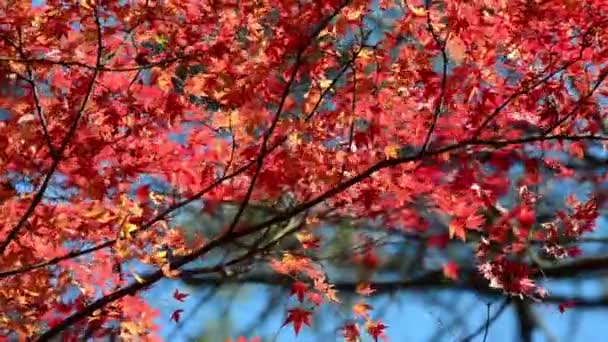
353 15
160 39
324 83
361 309
391 151
161 256
417 11
294 139
127 229
88 4
227 119
164 82
95 213
131 328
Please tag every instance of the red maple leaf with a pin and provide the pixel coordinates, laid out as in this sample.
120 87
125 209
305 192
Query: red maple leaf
376 330
298 316
143 192
299 289
176 315
566 305
179 296
350 332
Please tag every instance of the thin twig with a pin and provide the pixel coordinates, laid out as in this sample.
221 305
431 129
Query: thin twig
486 326
64 144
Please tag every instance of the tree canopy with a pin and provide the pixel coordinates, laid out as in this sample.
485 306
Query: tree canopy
323 146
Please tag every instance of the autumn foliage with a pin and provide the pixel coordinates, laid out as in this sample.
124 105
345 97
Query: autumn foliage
117 114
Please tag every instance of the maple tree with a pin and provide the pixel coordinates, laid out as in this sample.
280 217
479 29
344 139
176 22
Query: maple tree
298 120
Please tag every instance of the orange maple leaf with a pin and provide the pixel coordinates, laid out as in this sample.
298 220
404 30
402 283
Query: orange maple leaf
456 228
451 270
362 309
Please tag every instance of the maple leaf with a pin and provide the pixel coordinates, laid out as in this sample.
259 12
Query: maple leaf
566 305
350 332
176 315
308 240
299 289
361 309
376 329
577 149
526 216
179 296
143 192
365 289
127 229
457 228
438 240
7 191
297 317
456 49
315 298
451 270
204 97
417 11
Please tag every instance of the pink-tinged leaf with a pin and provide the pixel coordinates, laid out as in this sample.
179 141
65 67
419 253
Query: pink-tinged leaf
474 222
315 298
456 49
365 289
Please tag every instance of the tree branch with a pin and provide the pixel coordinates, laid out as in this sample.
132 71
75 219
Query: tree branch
64 144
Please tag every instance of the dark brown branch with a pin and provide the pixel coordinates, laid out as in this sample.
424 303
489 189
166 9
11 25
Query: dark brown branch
31 81
264 151
431 280
99 68
330 193
444 74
